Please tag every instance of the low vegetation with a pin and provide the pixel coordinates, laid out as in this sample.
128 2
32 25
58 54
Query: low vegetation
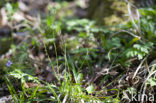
75 61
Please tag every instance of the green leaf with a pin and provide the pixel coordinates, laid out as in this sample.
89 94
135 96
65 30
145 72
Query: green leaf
152 81
134 40
79 77
90 89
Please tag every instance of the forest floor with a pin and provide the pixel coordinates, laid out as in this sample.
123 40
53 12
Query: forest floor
52 53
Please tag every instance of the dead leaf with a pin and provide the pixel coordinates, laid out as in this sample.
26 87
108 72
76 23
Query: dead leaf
32 85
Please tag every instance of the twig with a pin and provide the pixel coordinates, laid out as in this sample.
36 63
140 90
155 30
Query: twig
138 68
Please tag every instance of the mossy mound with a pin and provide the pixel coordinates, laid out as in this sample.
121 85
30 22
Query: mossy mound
109 12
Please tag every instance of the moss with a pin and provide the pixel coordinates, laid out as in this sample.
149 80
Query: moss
108 12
